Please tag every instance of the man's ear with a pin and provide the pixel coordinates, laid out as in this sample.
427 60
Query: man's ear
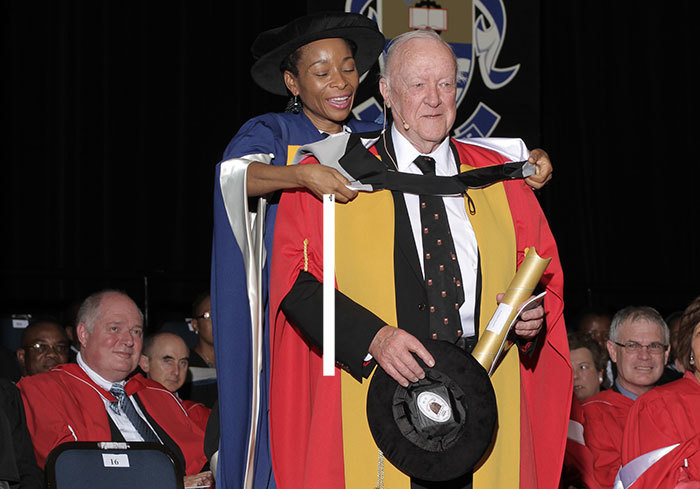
612 351
384 89
144 363
20 357
83 333
291 82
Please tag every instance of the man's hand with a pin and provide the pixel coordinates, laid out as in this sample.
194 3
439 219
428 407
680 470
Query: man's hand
320 179
530 321
543 172
203 479
392 347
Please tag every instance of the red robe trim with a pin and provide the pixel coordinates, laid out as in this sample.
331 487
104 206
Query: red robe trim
578 459
64 404
606 415
546 377
198 412
666 415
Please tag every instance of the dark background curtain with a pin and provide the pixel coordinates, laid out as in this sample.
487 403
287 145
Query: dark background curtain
114 115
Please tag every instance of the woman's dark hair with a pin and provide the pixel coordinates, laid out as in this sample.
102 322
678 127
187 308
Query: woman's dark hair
600 356
688 321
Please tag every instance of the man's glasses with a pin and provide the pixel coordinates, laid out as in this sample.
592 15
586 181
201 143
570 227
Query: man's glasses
634 347
44 348
206 315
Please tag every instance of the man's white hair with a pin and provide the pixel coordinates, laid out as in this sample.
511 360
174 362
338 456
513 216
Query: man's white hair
90 312
402 39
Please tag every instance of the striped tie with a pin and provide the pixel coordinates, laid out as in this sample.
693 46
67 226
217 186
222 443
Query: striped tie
123 405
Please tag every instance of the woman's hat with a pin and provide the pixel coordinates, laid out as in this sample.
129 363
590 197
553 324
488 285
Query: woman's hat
438 428
272 47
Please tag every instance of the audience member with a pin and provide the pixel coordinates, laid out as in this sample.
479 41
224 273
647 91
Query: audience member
18 468
201 384
596 323
165 359
588 360
44 345
638 346
663 426
674 368
96 400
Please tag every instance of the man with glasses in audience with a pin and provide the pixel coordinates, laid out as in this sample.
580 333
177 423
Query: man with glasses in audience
201 380
44 345
639 346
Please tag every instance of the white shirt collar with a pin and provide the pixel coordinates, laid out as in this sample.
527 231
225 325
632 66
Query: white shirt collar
96 378
406 153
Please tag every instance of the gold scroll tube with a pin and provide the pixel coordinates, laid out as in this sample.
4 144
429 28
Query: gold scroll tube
492 341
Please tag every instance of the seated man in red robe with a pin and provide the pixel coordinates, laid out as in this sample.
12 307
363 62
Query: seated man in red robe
639 346
97 400
165 359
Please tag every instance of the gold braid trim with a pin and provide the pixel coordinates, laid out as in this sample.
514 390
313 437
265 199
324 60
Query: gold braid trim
306 255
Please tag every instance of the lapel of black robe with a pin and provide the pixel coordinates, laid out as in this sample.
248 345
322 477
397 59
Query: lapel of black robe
411 310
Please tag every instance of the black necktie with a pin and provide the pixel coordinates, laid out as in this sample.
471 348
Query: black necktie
443 279
123 404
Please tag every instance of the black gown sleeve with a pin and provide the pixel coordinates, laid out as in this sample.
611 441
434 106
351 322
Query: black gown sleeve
355 326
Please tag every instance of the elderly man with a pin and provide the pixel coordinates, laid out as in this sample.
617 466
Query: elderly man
639 347
384 280
44 345
97 400
165 359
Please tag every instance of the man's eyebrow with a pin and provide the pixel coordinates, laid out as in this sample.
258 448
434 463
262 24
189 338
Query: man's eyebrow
168 357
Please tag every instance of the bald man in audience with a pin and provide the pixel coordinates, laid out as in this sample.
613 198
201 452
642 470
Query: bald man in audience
44 345
165 359
98 398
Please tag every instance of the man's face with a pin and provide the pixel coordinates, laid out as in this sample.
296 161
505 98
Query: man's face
422 92
45 346
202 324
167 361
113 347
639 370
597 327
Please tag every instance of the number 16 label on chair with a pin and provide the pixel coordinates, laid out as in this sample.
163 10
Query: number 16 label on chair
115 459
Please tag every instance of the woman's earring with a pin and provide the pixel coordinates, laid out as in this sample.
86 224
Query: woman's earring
692 358
294 105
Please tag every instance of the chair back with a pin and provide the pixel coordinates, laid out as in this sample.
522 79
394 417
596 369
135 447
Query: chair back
113 465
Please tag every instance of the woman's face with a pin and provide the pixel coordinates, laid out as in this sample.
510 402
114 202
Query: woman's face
326 83
587 379
695 348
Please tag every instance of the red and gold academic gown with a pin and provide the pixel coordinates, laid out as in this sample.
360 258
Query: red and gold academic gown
665 416
64 404
605 418
319 432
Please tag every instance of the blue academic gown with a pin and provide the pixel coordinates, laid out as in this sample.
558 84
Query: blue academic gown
269 133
